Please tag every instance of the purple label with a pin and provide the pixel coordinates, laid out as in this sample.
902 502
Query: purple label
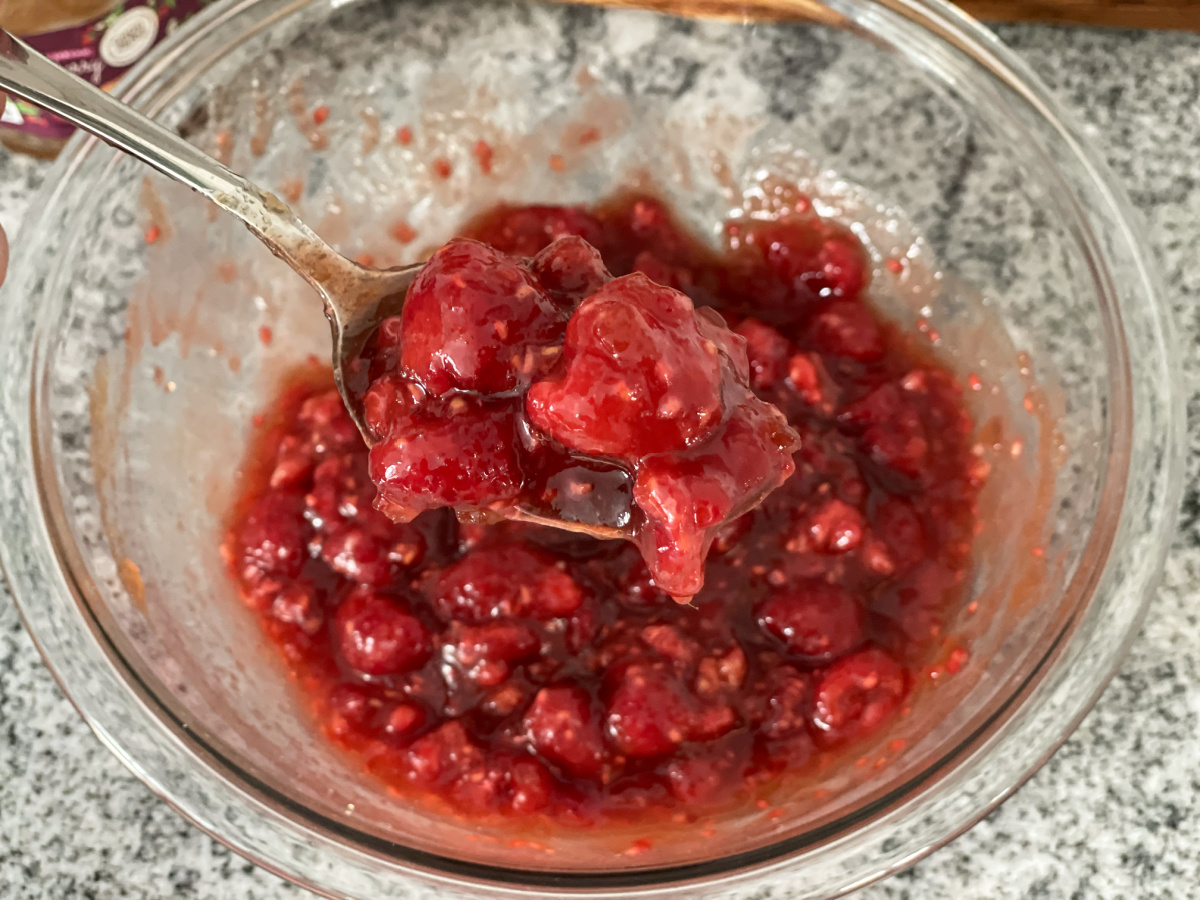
99 51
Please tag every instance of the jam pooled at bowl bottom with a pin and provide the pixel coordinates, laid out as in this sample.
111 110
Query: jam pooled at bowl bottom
515 671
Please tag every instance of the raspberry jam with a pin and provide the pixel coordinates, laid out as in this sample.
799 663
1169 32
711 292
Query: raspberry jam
521 672
547 385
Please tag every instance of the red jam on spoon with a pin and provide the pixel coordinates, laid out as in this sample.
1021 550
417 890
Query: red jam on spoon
549 386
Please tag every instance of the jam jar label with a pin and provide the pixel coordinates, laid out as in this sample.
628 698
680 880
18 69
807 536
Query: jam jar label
99 51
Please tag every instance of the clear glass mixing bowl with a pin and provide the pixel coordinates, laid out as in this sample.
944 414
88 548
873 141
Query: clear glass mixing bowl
131 371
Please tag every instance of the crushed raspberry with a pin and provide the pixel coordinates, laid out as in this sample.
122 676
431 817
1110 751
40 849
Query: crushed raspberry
487 651
807 376
857 694
471 320
377 636
372 553
825 261
768 351
899 526
448 760
507 670
339 491
639 375
836 527
564 730
404 721
329 428
269 546
444 756
648 714
506 579
891 429
570 270
298 604
463 454
843 264
390 398
847 329
527 230
780 707
672 644
816 621
810 260
687 497
348 709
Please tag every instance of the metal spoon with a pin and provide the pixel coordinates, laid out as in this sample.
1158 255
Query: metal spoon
356 298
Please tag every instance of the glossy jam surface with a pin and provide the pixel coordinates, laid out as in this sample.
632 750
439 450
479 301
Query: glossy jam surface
511 671
547 385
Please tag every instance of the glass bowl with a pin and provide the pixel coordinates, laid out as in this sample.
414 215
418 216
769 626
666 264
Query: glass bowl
136 357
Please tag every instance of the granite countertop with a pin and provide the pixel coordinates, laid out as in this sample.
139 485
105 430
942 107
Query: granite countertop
1116 813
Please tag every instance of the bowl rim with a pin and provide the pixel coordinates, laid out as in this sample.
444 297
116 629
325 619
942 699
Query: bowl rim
947 24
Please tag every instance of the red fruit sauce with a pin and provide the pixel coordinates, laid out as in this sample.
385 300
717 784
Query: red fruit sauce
548 385
510 670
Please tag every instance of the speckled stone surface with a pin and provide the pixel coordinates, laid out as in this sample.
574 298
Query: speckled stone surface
1116 813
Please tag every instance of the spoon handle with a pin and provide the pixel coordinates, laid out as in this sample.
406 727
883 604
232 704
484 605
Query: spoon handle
27 74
